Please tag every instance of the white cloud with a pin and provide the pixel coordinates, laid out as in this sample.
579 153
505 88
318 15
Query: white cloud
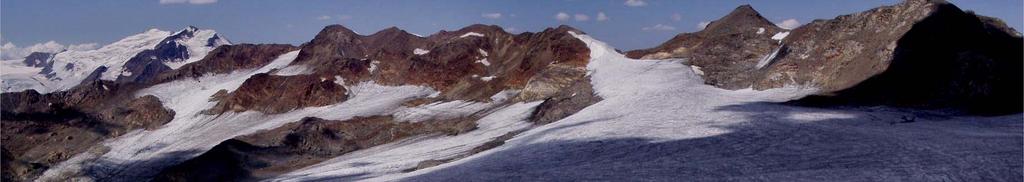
562 16
187 1
491 15
635 3
702 25
659 27
601 16
789 24
677 17
10 51
83 47
581 17
324 17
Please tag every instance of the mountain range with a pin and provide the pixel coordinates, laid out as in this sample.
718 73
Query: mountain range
917 91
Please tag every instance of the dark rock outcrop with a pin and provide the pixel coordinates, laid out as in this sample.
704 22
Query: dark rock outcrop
566 102
39 59
277 94
228 58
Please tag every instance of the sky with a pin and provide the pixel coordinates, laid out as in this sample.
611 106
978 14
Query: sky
626 24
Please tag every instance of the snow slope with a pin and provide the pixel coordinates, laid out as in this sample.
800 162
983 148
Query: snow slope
17 77
199 44
71 67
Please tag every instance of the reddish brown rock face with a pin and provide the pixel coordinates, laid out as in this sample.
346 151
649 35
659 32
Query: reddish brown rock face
228 58
472 67
277 94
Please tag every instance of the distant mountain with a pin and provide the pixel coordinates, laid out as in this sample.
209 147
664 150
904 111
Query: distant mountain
126 59
736 101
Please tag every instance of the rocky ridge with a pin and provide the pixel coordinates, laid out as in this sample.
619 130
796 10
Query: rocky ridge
881 56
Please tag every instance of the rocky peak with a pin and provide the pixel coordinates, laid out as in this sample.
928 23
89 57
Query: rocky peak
741 19
564 28
39 59
336 32
392 34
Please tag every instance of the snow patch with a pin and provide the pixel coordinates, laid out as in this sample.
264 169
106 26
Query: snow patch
484 62
482 52
696 70
768 58
419 51
373 66
779 36
299 69
471 34
487 78
760 30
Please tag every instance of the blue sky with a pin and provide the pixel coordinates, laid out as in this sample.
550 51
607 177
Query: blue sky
630 24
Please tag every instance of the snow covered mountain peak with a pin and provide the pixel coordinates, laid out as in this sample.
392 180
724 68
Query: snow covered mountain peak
69 68
198 41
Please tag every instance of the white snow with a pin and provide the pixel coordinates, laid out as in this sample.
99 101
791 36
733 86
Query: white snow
482 52
299 69
768 58
487 78
18 77
484 62
760 30
471 34
449 110
373 66
696 70
419 51
779 36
